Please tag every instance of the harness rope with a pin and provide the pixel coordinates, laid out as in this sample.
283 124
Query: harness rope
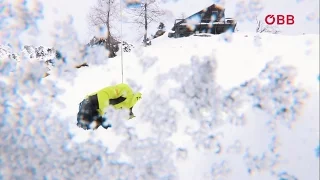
121 53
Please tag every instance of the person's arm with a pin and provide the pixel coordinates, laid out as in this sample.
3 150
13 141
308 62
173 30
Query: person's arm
117 100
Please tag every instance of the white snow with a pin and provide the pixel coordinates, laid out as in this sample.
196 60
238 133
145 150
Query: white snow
240 57
229 106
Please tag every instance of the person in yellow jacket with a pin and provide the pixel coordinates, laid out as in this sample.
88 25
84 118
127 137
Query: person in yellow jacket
93 107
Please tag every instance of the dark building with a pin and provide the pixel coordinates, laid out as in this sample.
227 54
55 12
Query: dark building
209 20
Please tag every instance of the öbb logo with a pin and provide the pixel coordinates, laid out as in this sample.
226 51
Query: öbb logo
279 19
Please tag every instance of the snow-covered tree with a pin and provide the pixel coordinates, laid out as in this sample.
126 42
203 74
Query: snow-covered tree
272 92
20 16
275 93
35 141
264 28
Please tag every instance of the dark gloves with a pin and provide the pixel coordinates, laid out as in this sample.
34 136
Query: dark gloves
107 126
103 122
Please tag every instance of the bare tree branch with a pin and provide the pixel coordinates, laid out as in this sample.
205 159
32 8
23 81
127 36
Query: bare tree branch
147 13
105 14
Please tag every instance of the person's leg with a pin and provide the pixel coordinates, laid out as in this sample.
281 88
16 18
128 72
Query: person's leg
84 116
88 115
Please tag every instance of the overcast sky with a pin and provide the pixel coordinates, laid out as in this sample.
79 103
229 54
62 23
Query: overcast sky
306 14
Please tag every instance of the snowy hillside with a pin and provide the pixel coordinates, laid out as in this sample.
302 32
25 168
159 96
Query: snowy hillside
220 107
230 106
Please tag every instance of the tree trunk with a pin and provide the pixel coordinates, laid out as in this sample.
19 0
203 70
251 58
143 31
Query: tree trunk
109 45
145 24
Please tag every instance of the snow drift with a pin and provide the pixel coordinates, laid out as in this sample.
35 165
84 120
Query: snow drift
231 106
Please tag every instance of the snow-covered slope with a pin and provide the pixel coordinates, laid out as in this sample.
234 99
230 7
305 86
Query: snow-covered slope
241 106
232 106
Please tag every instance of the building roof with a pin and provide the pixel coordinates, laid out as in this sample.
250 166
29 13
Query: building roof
207 11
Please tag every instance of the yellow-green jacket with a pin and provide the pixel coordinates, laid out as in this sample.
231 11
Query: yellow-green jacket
113 92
